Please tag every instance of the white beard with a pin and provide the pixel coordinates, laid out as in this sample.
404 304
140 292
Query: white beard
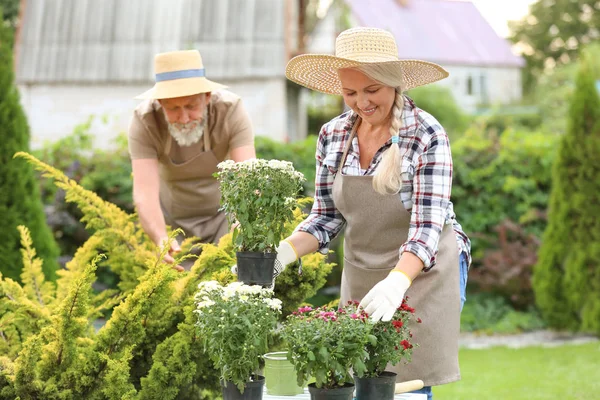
188 134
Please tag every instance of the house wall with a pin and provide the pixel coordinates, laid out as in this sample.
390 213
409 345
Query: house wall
488 85
54 110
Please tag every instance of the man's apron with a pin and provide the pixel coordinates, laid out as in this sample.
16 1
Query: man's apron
377 226
190 195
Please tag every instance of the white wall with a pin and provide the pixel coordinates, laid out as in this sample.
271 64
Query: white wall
54 110
490 85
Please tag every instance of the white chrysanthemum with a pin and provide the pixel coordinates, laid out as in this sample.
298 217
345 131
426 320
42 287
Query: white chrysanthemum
206 303
274 304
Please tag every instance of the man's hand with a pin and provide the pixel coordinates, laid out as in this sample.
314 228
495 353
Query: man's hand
382 301
286 255
174 248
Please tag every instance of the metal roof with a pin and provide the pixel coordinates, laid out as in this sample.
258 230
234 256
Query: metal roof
92 41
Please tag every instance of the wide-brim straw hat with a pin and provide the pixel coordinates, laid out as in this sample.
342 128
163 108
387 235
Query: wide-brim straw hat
355 47
179 74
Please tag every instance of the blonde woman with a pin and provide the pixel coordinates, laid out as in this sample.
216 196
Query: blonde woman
384 171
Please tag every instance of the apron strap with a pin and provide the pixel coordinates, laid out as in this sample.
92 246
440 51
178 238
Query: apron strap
168 146
347 147
206 139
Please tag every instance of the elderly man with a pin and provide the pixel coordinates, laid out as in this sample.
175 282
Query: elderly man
177 136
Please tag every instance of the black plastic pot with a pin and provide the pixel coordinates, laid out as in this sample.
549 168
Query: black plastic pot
345 392
380 388
255 268
252 391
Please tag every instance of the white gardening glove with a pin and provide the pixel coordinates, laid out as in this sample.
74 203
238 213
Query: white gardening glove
382 301
286 255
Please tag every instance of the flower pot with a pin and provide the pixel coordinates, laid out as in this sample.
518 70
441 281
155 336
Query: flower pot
381 387
255 268
280 375
345 392
252 391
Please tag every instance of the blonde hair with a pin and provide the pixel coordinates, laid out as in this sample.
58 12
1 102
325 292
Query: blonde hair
388 179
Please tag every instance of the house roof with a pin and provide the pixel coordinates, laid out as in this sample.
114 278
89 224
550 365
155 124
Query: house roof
91 41
443 31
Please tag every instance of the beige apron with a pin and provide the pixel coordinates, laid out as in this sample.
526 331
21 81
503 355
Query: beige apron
189 194
377 226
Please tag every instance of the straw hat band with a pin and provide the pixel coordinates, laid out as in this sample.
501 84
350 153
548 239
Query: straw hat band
181 74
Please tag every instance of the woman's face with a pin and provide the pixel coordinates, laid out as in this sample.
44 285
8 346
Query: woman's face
371 100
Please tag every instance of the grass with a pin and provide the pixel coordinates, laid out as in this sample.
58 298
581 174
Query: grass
568 372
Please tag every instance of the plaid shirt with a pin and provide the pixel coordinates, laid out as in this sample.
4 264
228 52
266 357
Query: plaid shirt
426 182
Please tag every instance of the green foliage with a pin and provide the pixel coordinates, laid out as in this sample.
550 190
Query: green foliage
392 341
567 277
300 153
439 102
104 172
554 32
489 313
501 177
10 12
149 347
326 344
515 117
507 267
20 202
259 197
235 322
553 91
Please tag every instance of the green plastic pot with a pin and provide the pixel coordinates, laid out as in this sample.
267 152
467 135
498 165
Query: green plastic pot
280 375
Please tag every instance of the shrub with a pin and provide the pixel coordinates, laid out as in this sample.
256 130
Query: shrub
149 347
498 178
300 153
567 277
20 202
439 102
506 268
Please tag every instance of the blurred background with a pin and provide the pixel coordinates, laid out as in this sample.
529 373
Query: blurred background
520 106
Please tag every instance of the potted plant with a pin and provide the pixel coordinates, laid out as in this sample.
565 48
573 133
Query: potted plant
235 322
392 344
325 345
259 197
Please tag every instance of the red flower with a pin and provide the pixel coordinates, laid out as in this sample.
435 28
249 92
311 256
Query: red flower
419 320
406 344
397 324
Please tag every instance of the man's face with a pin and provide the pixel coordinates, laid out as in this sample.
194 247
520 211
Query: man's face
186 117
182 110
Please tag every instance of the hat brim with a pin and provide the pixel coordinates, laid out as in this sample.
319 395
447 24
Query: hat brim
319 71
180 88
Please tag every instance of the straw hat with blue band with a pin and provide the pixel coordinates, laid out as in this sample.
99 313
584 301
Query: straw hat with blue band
355 47
178 74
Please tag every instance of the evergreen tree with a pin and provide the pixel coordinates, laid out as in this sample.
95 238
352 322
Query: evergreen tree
567 277
20 202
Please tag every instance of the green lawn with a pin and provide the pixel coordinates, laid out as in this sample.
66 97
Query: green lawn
568 372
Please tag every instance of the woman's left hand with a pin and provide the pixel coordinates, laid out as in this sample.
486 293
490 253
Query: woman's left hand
382 301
